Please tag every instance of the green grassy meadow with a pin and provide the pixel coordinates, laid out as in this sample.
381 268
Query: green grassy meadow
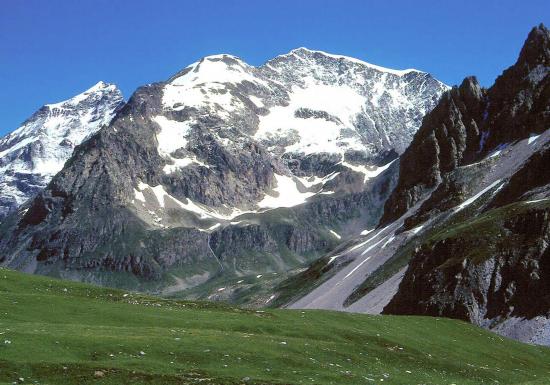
59 332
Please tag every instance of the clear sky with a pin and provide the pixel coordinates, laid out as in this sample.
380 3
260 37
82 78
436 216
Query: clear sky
51 50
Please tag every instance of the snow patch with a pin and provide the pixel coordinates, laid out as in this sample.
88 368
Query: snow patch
139 195
417 229
257 101
287 194
537 200
471 200
179 163
162 197
316 135
315 180
532 139
390 239
333 258
172 135
368 172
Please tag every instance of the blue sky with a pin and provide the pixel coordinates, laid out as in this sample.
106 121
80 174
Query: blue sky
51 50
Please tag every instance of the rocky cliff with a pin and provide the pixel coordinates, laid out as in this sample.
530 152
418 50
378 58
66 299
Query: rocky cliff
488 263
470 123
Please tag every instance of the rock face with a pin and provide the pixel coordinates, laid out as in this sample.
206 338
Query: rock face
449 137
31 155
518 101
494 269
471 122
225 170
489 263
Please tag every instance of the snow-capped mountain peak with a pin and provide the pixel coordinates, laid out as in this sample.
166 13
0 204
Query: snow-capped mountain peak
223 152
258 136
303 102
98 90
33 153
303 52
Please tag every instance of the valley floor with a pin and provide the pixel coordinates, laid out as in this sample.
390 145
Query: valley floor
59 332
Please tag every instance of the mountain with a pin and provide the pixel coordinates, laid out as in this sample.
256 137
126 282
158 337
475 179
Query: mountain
223 178
465 232
31 155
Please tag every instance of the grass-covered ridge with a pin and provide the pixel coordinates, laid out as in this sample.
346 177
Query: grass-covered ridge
59 332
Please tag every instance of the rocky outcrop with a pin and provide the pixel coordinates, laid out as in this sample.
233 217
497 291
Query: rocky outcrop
483 271
449 137
470 122
519 100
531 182
487 263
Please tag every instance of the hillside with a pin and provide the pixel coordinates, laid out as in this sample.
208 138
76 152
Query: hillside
61 332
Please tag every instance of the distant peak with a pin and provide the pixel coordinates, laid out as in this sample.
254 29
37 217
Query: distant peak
541 28
306 52
301 49
222 56
470 89
100 87
469 82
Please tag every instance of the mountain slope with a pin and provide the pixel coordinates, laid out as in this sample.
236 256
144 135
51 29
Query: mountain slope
224 171
490 269
464 231
84 334
31 155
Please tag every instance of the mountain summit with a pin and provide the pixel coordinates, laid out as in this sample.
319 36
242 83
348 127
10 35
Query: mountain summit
31 155
224 171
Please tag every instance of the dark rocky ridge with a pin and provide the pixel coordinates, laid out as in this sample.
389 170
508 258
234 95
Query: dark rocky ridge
470 122
449 137
518 101
488 265
490 269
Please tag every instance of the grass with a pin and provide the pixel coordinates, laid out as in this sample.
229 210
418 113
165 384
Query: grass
250 290
60 332
490 222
